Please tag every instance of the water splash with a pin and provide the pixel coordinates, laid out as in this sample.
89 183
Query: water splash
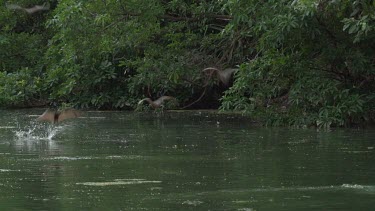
37 132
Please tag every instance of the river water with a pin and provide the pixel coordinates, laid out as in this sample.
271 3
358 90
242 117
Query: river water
180 161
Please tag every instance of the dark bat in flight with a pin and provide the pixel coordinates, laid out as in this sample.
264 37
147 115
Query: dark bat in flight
157 103
30 10
56 116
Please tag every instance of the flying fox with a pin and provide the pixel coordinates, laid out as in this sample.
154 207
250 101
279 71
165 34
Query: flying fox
223 75
156 103
57 116
29 10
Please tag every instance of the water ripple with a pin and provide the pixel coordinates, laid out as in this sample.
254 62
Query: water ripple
119 182
368 188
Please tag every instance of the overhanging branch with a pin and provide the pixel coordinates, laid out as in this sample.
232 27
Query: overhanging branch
173 18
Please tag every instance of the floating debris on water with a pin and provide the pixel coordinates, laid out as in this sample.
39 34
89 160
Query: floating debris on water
243 202
7 127
358 151
129 157
71 158
74 158
8 170
360 187
246 209
119 182
193 203
317 188
33 115
156 188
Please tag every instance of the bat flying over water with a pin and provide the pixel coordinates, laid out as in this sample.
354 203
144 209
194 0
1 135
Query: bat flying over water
157 103
29 10
56 116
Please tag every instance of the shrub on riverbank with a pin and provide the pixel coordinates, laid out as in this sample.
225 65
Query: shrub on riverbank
300 62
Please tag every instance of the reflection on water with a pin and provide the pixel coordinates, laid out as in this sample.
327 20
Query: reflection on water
180 161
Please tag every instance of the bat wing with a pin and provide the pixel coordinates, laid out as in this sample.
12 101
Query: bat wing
45 6
226 75
210 69
68 114
14 7
141 101
38 8
48 116
163 98
160 100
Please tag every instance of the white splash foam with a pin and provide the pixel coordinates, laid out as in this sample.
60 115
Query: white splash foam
37 132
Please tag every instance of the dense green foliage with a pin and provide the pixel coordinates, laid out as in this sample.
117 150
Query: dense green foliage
301 62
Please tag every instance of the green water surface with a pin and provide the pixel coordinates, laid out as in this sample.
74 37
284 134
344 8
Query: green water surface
180 161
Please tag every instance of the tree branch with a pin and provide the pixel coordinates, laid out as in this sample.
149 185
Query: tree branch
188 19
